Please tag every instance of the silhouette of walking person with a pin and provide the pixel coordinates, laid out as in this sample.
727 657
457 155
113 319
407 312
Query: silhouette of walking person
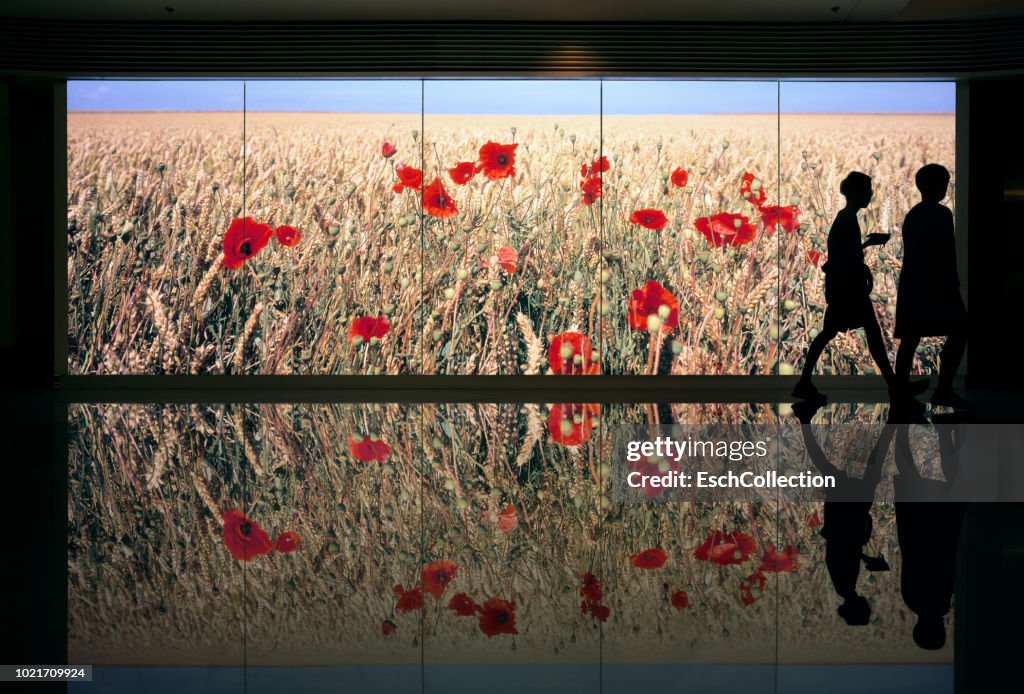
928 301
848 284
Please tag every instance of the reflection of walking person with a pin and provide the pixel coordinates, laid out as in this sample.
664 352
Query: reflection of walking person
848 284
928 301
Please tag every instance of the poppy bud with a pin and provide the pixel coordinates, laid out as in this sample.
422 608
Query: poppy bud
755 185
719 312
404 283
653 322
773 332
721 295
664 312
594 356
572 138
877 155
462 274
605 276
737 223
677 346
606 307
813 332
449 293
577 359
789 304
495 284
374 341
725 144
785 369
357 340
663 466
794 199
566 350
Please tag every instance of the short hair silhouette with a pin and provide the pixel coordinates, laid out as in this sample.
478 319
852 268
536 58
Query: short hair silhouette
931 180
854 181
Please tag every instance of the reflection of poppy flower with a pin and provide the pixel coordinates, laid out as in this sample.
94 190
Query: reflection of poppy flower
243 240
595 608
591 588
506 258
244 538
462 173
814 257
564 428
680 177
649 301
408 600
747 587
726 229
368 450
754 197
649 219
498 616
368 327
653 558
387 627
437 575
408 178
814 520
287 235
563 353
287 542
591 189
726 548
387 150
648 469
599 166
787 217
508 519
437 202
498 161
462 604
784 561
680 600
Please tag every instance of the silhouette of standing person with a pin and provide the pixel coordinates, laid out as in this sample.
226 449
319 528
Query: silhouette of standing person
928 301
848 283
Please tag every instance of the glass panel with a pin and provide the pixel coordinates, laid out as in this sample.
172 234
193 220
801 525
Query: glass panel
513 257
154 180
686 242
828 129
336 291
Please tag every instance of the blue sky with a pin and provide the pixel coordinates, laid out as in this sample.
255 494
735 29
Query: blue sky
513 97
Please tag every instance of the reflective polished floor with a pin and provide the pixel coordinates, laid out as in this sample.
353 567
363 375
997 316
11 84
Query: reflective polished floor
471 547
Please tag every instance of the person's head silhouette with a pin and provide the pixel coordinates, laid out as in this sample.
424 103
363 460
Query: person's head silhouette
856 188
932 180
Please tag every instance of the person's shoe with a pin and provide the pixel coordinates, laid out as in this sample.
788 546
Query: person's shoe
930 633
805 390
945 397
855 611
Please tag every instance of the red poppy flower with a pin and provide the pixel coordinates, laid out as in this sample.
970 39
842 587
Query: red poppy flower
243 240
599 166
498 616
245 540
463 605
780 562
408 177
564 428
787 217
387 627
367 450
368 327
437 202
648 468
287 542
387 150
649 301
814 257
288 236
463 172
563 353
680 177
726 548
814 520
498 161
680 600
408 600
437 575
591 588
747 587
508 519
591 189
506 258
726 229
653 558
755 198
649 219
595 608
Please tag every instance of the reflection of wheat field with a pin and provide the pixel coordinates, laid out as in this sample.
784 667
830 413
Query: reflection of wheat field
151 195
151 581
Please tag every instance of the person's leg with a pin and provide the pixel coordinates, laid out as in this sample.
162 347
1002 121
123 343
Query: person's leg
876 345
950 357
905 358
